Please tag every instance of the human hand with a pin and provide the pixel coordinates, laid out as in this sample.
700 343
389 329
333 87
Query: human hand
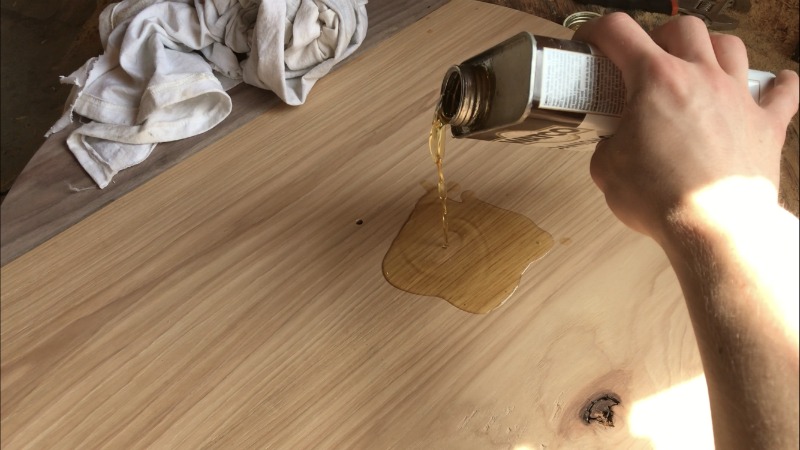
692 141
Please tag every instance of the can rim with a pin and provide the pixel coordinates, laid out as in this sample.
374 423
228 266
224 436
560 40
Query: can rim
574 20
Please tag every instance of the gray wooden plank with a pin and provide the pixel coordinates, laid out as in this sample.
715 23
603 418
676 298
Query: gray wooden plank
53 192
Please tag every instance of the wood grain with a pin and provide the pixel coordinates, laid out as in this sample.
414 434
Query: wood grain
53 192
234 302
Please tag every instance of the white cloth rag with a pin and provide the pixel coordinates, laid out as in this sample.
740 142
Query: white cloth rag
166 66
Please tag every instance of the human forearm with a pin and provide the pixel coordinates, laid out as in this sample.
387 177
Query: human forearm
695 165
736 258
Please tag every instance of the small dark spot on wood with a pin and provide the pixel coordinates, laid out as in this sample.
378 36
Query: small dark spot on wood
599 410
359 222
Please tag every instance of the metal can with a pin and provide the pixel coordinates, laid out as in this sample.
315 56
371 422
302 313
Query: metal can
533 90
540 91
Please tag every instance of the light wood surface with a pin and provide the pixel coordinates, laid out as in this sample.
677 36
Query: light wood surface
234 302
54 192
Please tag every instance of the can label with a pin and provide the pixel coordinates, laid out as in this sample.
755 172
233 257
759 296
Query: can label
579 82
574 97
556 136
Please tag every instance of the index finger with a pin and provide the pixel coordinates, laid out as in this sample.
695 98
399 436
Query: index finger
618 37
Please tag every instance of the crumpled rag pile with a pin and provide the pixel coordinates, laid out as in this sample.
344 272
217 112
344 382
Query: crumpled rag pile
167 64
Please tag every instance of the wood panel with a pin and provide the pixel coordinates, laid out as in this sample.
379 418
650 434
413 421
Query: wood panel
235 302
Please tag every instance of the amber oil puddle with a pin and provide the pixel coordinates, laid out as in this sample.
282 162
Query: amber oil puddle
490 248
470 253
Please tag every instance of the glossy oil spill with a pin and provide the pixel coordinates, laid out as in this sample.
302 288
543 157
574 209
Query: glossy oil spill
489 250
436 147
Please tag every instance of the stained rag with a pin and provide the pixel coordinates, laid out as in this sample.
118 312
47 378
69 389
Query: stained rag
166 65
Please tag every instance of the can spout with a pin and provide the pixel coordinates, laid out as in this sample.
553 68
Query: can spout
463 92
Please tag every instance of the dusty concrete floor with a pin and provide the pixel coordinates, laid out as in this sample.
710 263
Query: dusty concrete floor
42 39
39 40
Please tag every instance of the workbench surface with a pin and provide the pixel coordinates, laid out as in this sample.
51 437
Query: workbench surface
237 299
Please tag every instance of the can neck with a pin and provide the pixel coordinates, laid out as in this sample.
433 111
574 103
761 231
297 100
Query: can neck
463 95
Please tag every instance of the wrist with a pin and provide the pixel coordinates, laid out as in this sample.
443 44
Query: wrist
736 210
734 236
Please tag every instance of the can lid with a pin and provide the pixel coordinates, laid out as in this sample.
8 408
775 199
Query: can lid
575 20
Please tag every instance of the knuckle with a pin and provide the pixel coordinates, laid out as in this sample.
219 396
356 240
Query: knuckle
597 28
663 72
729 42
617 18
597 167
680 25
693 22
